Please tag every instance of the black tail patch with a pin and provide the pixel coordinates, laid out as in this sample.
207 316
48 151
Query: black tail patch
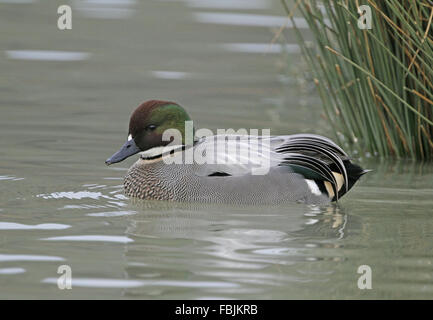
354 172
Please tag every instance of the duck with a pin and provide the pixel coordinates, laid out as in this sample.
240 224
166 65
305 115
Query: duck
234 168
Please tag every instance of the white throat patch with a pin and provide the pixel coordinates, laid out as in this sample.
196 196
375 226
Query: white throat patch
159 151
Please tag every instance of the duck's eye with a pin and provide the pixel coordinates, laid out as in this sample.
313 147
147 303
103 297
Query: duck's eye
151 127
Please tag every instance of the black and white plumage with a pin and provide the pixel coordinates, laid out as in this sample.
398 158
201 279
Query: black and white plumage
246 169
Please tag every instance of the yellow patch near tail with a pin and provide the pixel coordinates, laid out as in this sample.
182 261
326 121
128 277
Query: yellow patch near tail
340 182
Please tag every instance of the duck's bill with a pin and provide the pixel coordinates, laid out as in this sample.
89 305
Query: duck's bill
127 150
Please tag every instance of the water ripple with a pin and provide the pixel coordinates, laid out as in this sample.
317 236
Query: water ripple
171 75
127 283
46 55
93 238
99 283
43 226
112 214
106 9
79 195
12 178
72 195
12 270
28 257
246 19
261 48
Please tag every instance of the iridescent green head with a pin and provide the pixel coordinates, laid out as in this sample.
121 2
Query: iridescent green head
146 127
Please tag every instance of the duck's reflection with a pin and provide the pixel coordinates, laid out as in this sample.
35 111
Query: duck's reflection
248 246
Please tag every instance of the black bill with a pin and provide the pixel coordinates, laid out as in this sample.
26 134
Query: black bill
127 150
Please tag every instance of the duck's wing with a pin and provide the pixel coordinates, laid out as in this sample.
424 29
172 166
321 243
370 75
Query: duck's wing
312 156
234 155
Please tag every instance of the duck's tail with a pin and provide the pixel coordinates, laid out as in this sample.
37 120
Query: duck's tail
354 172
320 159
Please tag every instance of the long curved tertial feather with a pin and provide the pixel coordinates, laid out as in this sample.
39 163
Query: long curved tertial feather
320 139
312 146
316 165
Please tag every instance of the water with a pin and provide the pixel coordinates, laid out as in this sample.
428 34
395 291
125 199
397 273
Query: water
65 102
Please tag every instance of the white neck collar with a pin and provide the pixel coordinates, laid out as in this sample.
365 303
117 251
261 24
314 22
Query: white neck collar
160 151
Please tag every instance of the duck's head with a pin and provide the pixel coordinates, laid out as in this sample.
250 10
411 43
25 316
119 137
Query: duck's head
147 125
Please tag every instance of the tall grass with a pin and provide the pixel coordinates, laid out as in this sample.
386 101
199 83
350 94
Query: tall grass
376 84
